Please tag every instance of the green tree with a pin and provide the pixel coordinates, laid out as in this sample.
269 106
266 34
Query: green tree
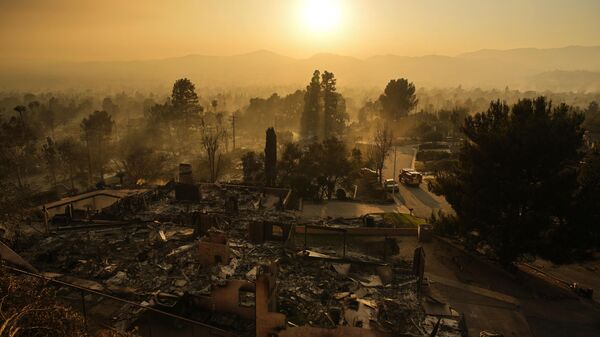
271 157
137 160
334 108
158 124
453 119
582 236
334 166
110 107
592 117
356 163
289 163
47 117
516 175
317 170
311 115
398 99
369 111
309 180
280 112
34 108
17 146
21 110
252 165
184 107
184 100
298 170
70 153
96 132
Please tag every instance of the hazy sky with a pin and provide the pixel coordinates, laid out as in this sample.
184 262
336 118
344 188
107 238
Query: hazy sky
136 29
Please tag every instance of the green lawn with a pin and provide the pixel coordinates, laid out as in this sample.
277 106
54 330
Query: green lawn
402 220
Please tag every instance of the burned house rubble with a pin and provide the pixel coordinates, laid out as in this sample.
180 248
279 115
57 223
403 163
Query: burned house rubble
233 258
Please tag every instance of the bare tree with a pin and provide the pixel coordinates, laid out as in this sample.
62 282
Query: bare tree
211 137
382 144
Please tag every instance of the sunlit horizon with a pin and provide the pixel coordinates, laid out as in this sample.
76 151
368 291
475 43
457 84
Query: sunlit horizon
118 31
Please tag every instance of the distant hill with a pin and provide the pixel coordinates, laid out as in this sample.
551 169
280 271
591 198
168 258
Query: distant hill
567 58
569 68
569 80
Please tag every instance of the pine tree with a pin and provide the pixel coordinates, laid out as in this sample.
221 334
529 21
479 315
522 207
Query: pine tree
516 175
184 100
312 109
330 103
185 107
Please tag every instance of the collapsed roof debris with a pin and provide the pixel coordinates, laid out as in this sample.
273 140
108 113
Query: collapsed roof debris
231 259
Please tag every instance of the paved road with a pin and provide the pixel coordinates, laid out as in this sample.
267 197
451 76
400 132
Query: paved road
419 198
478 288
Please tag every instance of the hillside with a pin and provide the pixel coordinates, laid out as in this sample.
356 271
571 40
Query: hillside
569 68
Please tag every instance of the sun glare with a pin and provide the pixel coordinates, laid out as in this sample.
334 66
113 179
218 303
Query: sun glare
321 16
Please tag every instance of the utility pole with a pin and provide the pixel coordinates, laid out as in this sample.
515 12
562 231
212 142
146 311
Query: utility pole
233 128
394 162
394 176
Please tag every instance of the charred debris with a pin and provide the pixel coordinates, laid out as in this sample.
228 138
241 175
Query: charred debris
233 259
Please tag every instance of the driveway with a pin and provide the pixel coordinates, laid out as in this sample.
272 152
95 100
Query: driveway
346 209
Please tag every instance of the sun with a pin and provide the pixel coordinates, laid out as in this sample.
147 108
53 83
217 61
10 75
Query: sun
321 16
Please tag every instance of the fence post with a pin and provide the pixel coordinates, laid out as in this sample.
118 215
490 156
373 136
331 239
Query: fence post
385 241
305 236
344 244
84 311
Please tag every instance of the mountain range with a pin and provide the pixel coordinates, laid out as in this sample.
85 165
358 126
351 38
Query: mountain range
571 68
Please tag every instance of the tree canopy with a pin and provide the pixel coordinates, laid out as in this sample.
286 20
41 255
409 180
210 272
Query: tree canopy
309 127
97 129
516 175
316 170
398 99
324 113
184 100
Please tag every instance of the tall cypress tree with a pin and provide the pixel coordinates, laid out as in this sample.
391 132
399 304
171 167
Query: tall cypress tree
271 157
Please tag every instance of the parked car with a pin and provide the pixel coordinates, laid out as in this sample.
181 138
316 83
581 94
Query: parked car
391 185
368 172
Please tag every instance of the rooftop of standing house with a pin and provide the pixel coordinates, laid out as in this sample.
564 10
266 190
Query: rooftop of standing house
229 258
